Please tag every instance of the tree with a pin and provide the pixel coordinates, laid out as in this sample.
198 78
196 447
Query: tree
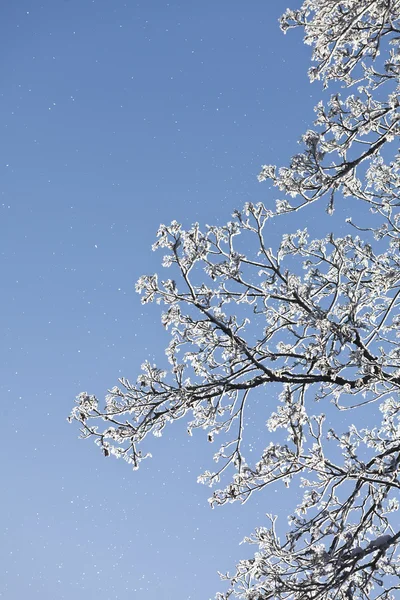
317 318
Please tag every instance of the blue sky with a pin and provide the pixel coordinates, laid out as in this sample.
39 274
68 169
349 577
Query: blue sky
115 117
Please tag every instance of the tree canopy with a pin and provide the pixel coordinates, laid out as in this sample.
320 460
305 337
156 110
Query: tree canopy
315 321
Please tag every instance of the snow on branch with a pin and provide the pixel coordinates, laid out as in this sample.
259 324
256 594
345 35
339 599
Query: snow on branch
310 326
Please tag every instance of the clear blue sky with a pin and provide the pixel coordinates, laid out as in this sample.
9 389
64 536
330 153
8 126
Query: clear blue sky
116 116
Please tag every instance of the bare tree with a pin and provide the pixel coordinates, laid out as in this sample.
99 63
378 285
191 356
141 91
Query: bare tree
317 318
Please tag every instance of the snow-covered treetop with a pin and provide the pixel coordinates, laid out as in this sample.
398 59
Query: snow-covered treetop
352 131
348 36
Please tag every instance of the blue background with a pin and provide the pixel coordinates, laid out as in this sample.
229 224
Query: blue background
115 117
